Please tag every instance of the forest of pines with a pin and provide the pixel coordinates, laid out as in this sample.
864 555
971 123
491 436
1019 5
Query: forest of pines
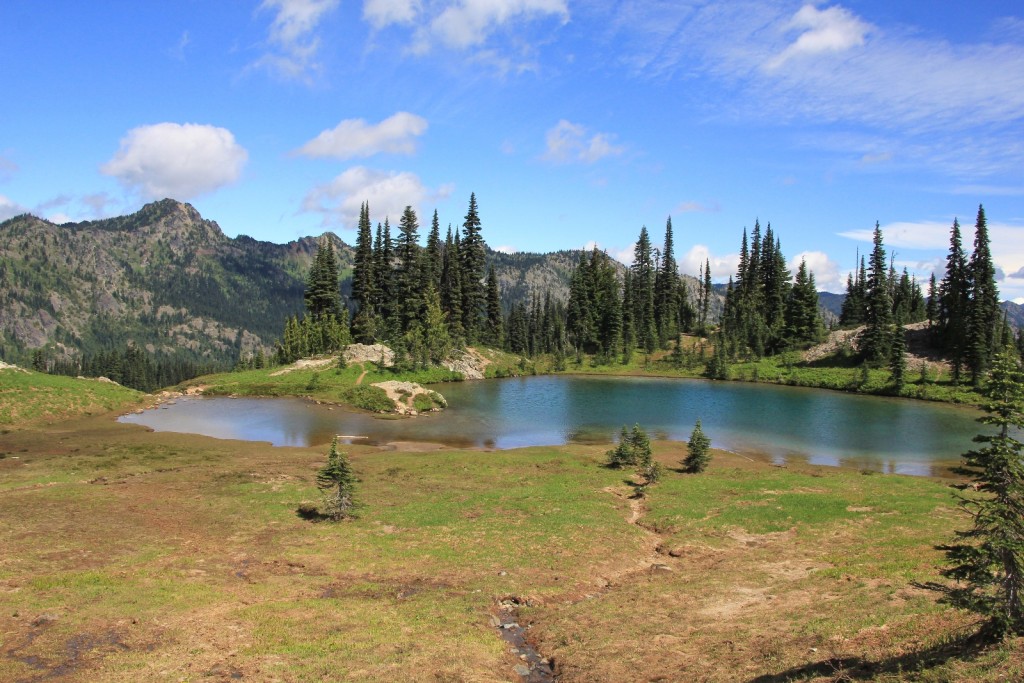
425 301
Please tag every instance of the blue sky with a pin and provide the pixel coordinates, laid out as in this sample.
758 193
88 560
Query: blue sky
574 123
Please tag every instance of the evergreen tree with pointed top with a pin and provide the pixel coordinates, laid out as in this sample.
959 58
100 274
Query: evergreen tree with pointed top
434 262
473 255
323 293
337 483
932 306
628 323
492 334
643 292
987 562
983 314
667 291
698 454
408 276
803 319
876 340
954 299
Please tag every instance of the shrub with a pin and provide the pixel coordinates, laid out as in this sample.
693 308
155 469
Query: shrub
369 398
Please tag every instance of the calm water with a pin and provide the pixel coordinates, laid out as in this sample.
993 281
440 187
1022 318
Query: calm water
785 424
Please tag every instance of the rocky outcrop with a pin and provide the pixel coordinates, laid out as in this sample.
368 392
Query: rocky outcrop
369 353
403 395
468 362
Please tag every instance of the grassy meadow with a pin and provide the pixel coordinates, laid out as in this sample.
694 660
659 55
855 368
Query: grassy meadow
129 555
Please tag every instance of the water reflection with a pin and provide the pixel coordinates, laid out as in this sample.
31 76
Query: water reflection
784 424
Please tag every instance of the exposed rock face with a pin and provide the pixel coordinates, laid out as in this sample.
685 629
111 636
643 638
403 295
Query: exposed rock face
369 353
468 363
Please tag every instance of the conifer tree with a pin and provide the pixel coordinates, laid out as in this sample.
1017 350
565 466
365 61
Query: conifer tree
877 337
803 320
366 325
932 307
437 340
628 323
988 561
643 293
954 295
897 356
667 294
983 315
337 483
705 297
492 335
434 262
408 277
451 286
698 454
383 270
323 294
473 255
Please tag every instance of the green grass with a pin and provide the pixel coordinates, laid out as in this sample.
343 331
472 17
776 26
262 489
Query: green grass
189 553
27 397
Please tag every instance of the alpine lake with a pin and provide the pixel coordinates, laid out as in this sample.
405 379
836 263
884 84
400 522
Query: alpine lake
785 425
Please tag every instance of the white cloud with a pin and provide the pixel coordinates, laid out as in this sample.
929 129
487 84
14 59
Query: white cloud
59 218
293 35
827 274
177 160
922 92
388 193
829 30
722 267
568 142
506 249
10 209
355 138
468 23
910 235
381 13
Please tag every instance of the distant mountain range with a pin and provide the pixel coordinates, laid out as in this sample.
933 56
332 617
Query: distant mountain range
168 280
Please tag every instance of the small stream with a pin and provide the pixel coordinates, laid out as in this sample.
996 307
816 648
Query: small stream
533 667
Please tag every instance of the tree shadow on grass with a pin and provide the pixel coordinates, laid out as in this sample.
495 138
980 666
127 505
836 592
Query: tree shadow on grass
310 513
964 647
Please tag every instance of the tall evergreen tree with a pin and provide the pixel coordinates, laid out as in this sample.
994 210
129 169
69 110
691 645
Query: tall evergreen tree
409 274
988 561
473 255
667 294
323 293
984 314
877 336
954 296
363 282
451 286
492 334
803 320
643 293
705 296
434 262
